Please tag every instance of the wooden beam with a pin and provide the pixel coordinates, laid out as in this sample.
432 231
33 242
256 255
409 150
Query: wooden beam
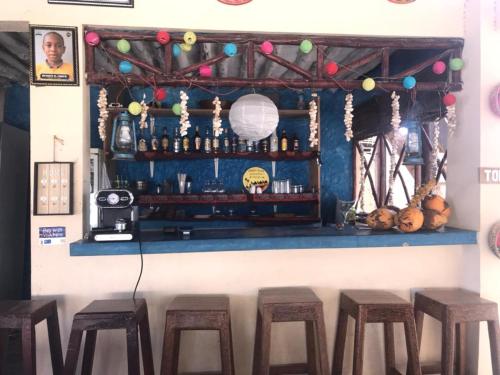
131 59
386 53
194 67
250 61
287 64
360 62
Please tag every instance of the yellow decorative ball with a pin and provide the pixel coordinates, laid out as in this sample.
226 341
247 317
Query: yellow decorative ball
186 47
368 84
189 37
134 108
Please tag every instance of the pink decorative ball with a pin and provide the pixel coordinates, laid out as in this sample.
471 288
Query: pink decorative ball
205 71
331 68
92 38
266 47
162 37
160 94
449 99
439 67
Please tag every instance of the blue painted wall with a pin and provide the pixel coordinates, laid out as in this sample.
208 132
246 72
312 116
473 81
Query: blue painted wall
336 176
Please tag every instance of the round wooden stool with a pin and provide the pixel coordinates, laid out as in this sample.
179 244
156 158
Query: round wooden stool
24 315
454 308
197 312
375 306
128 314
290 304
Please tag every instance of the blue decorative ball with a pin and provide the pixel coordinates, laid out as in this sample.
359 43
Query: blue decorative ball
409 82
230 49
176 50
125 67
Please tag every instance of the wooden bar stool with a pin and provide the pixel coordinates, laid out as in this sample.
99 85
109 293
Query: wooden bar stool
197 312
290 304
24 315
454 308
375 306
111 314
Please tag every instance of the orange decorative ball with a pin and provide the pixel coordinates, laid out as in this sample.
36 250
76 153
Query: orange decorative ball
409 219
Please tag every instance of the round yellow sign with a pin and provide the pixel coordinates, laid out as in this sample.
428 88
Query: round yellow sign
257 177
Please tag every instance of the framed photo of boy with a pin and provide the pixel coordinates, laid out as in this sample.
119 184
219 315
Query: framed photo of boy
105 3
54 55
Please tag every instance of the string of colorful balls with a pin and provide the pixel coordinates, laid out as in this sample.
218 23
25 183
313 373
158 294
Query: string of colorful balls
330 68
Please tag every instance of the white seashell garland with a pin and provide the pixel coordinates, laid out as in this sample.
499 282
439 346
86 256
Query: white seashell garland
395 121
313 124
217 122
144 114
435 150
184 120
451 119
396 117
348 116
102 104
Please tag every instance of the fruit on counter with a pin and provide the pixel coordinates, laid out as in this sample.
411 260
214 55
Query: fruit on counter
437 203
381 219
409 219
434 219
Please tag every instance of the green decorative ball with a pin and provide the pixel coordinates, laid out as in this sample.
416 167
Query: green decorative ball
306 46
176 108
123 46
456 64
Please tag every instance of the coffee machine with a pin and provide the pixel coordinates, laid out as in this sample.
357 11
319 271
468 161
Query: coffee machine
116 215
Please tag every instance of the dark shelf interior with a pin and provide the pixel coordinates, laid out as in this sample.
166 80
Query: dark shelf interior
288 155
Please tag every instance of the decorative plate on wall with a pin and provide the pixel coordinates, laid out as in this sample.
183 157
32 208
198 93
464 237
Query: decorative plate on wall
235 2
401 1
494 239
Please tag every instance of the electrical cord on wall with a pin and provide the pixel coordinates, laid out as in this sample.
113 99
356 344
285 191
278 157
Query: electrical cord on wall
140 273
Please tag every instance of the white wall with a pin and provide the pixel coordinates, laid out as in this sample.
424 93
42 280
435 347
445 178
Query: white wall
75 281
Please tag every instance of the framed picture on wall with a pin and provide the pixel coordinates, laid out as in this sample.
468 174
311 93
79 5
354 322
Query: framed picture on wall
54 55
105 3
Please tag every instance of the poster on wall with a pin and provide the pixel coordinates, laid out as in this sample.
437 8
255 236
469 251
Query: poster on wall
106 3
54 55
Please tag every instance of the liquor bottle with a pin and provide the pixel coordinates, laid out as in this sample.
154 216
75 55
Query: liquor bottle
164 140
155 144
264 145
295 143
256 146
234 143
177 141
141 144
215 144
242 145
283 141
185 143
274 146
197 140
207 143
250 146
226 145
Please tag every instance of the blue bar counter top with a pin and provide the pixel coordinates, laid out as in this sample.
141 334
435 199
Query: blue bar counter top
271 238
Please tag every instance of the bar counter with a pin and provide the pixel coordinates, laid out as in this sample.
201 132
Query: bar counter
154 241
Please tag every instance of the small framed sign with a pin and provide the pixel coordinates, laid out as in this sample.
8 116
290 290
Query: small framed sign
53 188
54 56
104 3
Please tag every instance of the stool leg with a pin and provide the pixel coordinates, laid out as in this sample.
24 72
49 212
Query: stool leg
494 333
447 346
3 347
28 343
147 351
419 323
340 337
225 351
390 355
88 351
412 346
460 352
55 342
261 366
312 355
75 341
257 350
133 349
321 342
170 349
359 341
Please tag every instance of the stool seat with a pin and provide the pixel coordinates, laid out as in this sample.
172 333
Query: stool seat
375 306
24 315
128 314
290 304
454 308
197 312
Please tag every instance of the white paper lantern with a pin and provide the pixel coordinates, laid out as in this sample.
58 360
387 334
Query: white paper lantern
253 117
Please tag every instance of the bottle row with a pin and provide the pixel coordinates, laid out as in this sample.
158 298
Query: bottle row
227 142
